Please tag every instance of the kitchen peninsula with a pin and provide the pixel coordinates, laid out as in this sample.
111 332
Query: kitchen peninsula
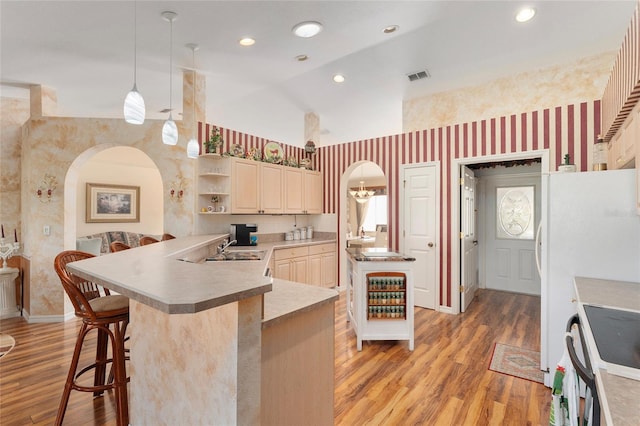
199 329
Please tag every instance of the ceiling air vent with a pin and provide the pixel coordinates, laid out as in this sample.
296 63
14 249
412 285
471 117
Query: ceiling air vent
418 75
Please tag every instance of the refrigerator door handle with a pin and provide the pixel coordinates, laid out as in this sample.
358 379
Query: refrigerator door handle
537 248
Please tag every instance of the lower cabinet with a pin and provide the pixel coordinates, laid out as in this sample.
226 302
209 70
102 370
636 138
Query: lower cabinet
314 264
291 264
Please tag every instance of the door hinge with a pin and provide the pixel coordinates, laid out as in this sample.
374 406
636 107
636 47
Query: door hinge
404 183
403 233
462 289
461 181
461 235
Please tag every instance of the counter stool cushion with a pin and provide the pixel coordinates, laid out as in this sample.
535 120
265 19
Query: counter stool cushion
114 303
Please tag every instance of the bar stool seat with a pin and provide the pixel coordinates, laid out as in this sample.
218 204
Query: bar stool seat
107 314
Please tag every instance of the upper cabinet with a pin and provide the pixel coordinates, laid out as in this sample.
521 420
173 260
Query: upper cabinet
254 187
213 184
303 191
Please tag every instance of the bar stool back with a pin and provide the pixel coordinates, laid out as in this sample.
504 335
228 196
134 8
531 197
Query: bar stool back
147 240
97 312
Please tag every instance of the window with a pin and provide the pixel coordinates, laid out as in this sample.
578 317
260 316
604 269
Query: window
376 213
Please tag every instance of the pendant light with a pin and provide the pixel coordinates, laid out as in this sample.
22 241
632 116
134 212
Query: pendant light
169 129
134 110
193 147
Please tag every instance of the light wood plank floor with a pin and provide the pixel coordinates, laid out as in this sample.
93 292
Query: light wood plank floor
444 381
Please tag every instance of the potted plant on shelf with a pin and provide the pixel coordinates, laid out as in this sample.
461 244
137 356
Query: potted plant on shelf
214 141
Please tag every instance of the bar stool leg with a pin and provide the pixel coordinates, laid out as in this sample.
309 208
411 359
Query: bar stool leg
120 375
71 376
101 360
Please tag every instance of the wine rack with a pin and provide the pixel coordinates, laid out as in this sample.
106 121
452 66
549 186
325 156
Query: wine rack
386 296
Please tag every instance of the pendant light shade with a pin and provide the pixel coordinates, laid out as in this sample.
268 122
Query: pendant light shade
134 110
193 148
169 129
170 132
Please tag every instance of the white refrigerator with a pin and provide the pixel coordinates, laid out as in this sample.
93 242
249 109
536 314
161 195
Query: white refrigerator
592 229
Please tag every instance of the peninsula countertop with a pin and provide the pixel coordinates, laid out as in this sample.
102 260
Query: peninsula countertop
154 275
618 395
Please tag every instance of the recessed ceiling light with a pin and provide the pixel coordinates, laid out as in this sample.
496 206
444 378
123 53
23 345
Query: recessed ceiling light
307 29
390 29
338 78
301 58
247 41
525 14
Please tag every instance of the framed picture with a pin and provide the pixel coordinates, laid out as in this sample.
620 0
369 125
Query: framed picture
112 203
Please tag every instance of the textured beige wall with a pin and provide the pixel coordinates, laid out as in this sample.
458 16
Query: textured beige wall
579 81
59 147
13 113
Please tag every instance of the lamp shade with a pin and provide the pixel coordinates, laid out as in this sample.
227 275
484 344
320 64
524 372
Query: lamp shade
193 148
362 195
134 110
169 132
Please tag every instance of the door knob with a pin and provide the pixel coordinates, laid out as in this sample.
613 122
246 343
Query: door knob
430 245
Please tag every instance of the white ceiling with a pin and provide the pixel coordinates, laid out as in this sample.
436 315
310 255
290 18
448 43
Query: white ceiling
84 50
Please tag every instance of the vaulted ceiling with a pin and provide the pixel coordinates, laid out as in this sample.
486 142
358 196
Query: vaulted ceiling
85 51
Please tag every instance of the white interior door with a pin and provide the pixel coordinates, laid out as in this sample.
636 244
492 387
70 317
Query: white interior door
512 217
420 230
468 240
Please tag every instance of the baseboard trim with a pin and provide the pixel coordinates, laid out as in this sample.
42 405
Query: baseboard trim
445 309
48 318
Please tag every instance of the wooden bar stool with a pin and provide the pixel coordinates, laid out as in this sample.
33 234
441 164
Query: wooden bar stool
118 246
98 312
147 240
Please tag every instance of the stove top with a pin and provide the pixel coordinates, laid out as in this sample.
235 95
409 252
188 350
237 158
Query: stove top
617 336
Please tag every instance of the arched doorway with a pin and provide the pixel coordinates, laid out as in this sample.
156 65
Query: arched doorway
117 165
373 178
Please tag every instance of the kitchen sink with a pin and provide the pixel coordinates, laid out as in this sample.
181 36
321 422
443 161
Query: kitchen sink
238 255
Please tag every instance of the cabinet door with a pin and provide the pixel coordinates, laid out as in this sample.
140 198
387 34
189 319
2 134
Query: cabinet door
328 270
282 269
300 269
294 190
315 270
271 199
312 192
245 186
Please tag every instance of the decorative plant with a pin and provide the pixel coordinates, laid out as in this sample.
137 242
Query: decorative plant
215 140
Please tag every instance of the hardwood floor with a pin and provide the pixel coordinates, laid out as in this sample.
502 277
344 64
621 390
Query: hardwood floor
444 381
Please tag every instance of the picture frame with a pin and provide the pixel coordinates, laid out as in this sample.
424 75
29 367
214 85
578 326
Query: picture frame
108 203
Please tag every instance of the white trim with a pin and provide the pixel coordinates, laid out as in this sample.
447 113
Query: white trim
454 240
49 318
445 309
403 168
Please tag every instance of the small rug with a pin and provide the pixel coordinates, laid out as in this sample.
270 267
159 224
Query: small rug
517 362
6 344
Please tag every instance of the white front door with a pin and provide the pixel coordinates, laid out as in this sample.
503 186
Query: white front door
468 238
420 224
512 216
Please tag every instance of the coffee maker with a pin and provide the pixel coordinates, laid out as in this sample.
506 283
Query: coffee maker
241 232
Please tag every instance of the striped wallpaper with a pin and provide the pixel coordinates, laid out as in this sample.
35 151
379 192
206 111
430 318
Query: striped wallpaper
566 129
623 88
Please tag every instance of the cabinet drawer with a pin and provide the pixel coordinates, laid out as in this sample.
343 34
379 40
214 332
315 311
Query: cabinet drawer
291 252
322 248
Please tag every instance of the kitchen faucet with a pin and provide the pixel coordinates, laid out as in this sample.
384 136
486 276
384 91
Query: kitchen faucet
226 243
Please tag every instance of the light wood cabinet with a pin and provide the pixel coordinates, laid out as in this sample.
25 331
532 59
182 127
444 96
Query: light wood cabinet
291 264
243 186
294 190
303 191
256 187
312 192
314 264
322 265
622 148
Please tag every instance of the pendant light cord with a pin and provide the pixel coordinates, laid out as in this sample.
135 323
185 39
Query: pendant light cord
135 42
171 69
